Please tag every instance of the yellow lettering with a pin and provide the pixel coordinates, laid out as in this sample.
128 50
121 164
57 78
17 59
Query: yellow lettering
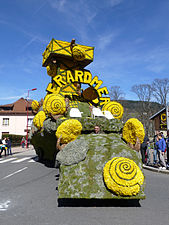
97 82
104 100
78 76
52 89
102 90
59 81
87 77
69 77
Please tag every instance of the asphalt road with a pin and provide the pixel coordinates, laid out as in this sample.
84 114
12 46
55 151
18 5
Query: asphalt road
28 196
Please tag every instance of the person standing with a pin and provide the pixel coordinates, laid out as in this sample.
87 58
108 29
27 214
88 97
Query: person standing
155 149
148 163
9 146
143 148
161 145
23 142
3 148
167 143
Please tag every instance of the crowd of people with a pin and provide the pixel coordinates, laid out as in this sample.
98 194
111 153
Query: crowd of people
160 146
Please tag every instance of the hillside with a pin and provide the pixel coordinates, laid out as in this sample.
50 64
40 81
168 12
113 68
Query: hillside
133 108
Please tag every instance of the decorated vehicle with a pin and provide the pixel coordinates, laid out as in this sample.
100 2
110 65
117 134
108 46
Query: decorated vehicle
81 131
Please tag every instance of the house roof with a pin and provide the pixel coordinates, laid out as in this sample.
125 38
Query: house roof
156 114
18 107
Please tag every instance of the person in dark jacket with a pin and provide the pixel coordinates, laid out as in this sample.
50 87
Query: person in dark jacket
155 149
143 148
8 145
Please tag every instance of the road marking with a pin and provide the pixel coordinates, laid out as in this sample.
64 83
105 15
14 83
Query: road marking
20 160
18 171
7 160
4 206
32 160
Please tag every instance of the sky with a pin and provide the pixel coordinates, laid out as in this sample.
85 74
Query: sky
130 40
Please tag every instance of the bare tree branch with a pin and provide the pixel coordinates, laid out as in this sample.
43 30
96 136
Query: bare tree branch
160 88
116 93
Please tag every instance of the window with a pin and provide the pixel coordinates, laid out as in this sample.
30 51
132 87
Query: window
5 122
30 120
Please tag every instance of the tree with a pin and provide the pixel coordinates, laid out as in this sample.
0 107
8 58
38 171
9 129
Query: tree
160 88
144 94
116 93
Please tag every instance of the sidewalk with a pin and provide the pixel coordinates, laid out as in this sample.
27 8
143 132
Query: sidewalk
153 169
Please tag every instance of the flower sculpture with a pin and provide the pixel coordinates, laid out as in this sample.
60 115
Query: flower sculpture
115 108
51 69
39 119
54 104
122 176
132 130
35 105
69 130
78 53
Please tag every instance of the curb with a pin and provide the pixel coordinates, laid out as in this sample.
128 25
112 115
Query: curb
156 169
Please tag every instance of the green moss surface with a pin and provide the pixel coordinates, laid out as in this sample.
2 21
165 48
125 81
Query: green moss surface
85 179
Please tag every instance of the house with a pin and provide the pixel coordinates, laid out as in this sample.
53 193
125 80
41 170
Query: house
161 119
15 117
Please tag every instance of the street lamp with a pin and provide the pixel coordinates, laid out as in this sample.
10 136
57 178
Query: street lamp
34 89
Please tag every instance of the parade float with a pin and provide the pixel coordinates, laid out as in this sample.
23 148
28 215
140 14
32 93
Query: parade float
92 165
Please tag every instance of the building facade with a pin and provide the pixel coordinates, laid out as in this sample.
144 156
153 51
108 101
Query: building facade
15 117
161 120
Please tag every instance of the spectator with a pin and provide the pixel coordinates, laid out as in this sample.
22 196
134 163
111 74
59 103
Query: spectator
23 142
167 143
143 148
3 148
161 145
155 149
9 146
148 154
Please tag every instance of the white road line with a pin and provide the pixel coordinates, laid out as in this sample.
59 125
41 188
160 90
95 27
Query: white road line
20 160
4 206
32 160
7 160
18 171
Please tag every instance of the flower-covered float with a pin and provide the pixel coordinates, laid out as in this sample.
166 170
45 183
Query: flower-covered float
102 164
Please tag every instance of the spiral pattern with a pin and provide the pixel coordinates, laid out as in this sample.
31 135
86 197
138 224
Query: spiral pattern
39 119
51 70
115 108
54 104
35 105
122 176
132 130
69 130
78 53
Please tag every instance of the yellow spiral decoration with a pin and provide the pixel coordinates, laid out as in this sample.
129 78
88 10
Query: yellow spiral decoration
132 130
122 176
51 69
78 53
54 104
115 108
69 130
163 117
39 119
35 105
